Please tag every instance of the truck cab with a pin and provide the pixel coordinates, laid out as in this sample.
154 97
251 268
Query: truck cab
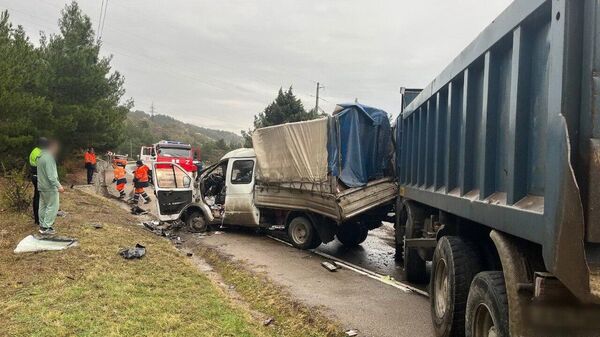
167 151
221 193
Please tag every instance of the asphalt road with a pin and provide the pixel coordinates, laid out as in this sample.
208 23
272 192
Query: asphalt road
359 302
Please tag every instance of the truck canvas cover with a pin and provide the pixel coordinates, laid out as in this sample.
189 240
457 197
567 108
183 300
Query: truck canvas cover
359 144
353 145
294 152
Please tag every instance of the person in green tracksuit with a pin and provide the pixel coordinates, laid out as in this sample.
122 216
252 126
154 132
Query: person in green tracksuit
49 187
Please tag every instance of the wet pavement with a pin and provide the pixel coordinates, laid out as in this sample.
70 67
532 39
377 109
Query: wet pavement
376 254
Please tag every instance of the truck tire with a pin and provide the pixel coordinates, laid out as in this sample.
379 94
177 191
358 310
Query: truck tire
352 234
455 264
196 222
302 233
415 270
487 306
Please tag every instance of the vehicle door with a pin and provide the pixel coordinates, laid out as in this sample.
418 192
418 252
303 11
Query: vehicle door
146 153
239 198
173 188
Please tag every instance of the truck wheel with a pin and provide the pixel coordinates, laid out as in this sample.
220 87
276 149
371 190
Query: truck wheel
303 234
352 234
196 222
455 264
414 266
487 306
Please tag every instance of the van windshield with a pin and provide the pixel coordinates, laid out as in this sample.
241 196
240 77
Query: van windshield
174 152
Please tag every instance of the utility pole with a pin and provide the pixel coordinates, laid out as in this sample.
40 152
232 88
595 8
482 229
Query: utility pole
317 100
152 110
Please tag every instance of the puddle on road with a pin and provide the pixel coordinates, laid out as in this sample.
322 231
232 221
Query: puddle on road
376 254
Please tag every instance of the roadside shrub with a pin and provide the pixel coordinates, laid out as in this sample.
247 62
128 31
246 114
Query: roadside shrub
16 192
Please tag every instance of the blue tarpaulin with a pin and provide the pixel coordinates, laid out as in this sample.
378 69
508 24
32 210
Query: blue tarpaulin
358 144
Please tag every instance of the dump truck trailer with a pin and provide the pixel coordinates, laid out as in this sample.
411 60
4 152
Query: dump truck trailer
498 164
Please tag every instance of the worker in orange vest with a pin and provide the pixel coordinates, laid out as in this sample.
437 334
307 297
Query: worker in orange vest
140 180
119 178
90 164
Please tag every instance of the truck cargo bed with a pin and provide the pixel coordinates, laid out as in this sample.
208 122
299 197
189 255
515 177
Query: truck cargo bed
325 200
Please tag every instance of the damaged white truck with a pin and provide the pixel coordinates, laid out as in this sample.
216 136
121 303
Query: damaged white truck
320 179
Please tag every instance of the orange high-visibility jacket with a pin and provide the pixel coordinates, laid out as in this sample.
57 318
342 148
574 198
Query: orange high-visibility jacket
90 158
141 174
119 174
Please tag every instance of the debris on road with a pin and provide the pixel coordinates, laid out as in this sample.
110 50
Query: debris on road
38 243
156 227
352 332
136 252
268 321
331 266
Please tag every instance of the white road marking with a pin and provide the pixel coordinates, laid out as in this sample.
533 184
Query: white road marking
365 272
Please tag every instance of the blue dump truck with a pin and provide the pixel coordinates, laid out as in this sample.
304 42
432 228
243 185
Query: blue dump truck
498 164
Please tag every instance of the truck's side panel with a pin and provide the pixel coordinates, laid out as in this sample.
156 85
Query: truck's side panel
494 138
339 206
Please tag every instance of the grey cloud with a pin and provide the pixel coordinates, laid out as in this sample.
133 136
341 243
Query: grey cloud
217 63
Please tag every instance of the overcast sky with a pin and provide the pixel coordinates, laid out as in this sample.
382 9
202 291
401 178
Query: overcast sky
217 63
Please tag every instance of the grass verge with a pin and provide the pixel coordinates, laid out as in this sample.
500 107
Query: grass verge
91 291
292 317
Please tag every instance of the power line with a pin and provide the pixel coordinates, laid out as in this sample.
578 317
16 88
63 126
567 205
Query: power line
99 21
104 18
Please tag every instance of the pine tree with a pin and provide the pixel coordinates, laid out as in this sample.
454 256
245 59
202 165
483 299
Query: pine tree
22 107
85 92
286 108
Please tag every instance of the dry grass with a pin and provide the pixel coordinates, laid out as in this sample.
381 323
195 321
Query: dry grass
292 317
91 291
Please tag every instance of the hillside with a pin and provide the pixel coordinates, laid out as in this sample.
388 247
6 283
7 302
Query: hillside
142 129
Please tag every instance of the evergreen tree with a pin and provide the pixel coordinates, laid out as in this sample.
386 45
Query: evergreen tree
286 108
22 106
86 95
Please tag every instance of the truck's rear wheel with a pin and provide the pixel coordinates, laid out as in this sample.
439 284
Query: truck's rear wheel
196 222
414 266
455 264
302 233
352 234
487 306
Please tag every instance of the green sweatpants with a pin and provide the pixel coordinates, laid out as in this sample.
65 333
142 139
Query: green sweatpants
49 204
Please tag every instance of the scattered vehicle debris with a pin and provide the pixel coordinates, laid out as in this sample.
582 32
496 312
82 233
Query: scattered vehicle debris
38 243
352 332
61 213
268 321
331 266
137 210
136 252
157 227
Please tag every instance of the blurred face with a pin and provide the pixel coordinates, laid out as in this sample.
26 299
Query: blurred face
53 148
